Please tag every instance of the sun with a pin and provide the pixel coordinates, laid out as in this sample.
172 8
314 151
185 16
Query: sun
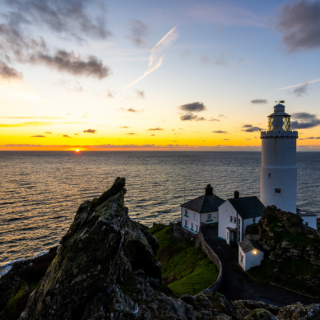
77 150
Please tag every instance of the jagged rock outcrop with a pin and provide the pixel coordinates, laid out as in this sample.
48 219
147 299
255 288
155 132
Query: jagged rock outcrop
106 269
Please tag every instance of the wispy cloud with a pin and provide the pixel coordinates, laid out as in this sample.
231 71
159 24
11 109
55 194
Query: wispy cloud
25 124
156 57
300 84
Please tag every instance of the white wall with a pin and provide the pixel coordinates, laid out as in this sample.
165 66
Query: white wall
312 221
278 159
225 211
249 259
214 218
193 219
243 262
247 222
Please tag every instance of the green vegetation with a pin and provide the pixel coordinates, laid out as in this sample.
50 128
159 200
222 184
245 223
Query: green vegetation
295 274
18 301
186 269
297 239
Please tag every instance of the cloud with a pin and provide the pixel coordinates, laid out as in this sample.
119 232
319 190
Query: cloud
110 94
155 129
220 60
66 136
124 127
303 116
213 119
38 136
156 58
131 134
259 101
9 73
204 59
299 25
250 128
140 94
48 132
70 85
300 91
26 124
90 131
76 134
68 62
222 116
153 135
219 131
61 17
300 84
305 120
130 110
139 33
185 54
217 61
193 107
191 117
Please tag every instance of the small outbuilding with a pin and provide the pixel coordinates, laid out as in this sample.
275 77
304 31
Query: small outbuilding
250 254
203 209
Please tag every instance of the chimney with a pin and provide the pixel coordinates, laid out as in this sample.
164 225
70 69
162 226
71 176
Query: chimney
236 194
209 190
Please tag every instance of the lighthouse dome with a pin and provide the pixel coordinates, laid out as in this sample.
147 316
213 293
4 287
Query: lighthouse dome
279 108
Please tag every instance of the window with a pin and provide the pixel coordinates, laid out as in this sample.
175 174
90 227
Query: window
277 190
231 218
197 228
254 220
186 223
269 175
209 216
306 223
186 212
241 258
234 219
191 225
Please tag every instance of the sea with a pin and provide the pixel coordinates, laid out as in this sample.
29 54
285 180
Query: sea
41 191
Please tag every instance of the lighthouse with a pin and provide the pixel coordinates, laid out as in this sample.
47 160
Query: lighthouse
278 171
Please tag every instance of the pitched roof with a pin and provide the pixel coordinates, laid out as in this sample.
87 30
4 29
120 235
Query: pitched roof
247 207
204 204
248 245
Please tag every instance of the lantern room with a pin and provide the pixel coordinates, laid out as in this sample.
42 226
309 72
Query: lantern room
279 120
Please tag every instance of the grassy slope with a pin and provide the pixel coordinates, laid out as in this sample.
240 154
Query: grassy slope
184 267
293 270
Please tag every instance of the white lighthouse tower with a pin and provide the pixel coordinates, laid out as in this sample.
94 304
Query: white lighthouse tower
278 171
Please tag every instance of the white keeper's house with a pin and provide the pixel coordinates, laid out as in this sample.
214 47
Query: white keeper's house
236 214
203 209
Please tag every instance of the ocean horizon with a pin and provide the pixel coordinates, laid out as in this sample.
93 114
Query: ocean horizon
40 191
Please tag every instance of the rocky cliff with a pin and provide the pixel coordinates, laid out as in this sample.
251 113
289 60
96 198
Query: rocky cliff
292 250
106 269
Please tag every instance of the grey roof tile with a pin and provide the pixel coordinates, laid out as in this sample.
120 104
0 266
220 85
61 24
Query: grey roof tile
204 204
248 245
247 207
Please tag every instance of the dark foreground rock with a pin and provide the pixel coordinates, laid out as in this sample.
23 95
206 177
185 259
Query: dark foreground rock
106 269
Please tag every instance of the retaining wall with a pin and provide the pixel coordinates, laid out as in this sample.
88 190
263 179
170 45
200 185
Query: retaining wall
213 257
182 234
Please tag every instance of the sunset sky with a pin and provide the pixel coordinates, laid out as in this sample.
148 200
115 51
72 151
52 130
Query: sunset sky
156 75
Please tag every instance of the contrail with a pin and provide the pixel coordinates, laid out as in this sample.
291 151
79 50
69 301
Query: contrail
301 84
155 61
